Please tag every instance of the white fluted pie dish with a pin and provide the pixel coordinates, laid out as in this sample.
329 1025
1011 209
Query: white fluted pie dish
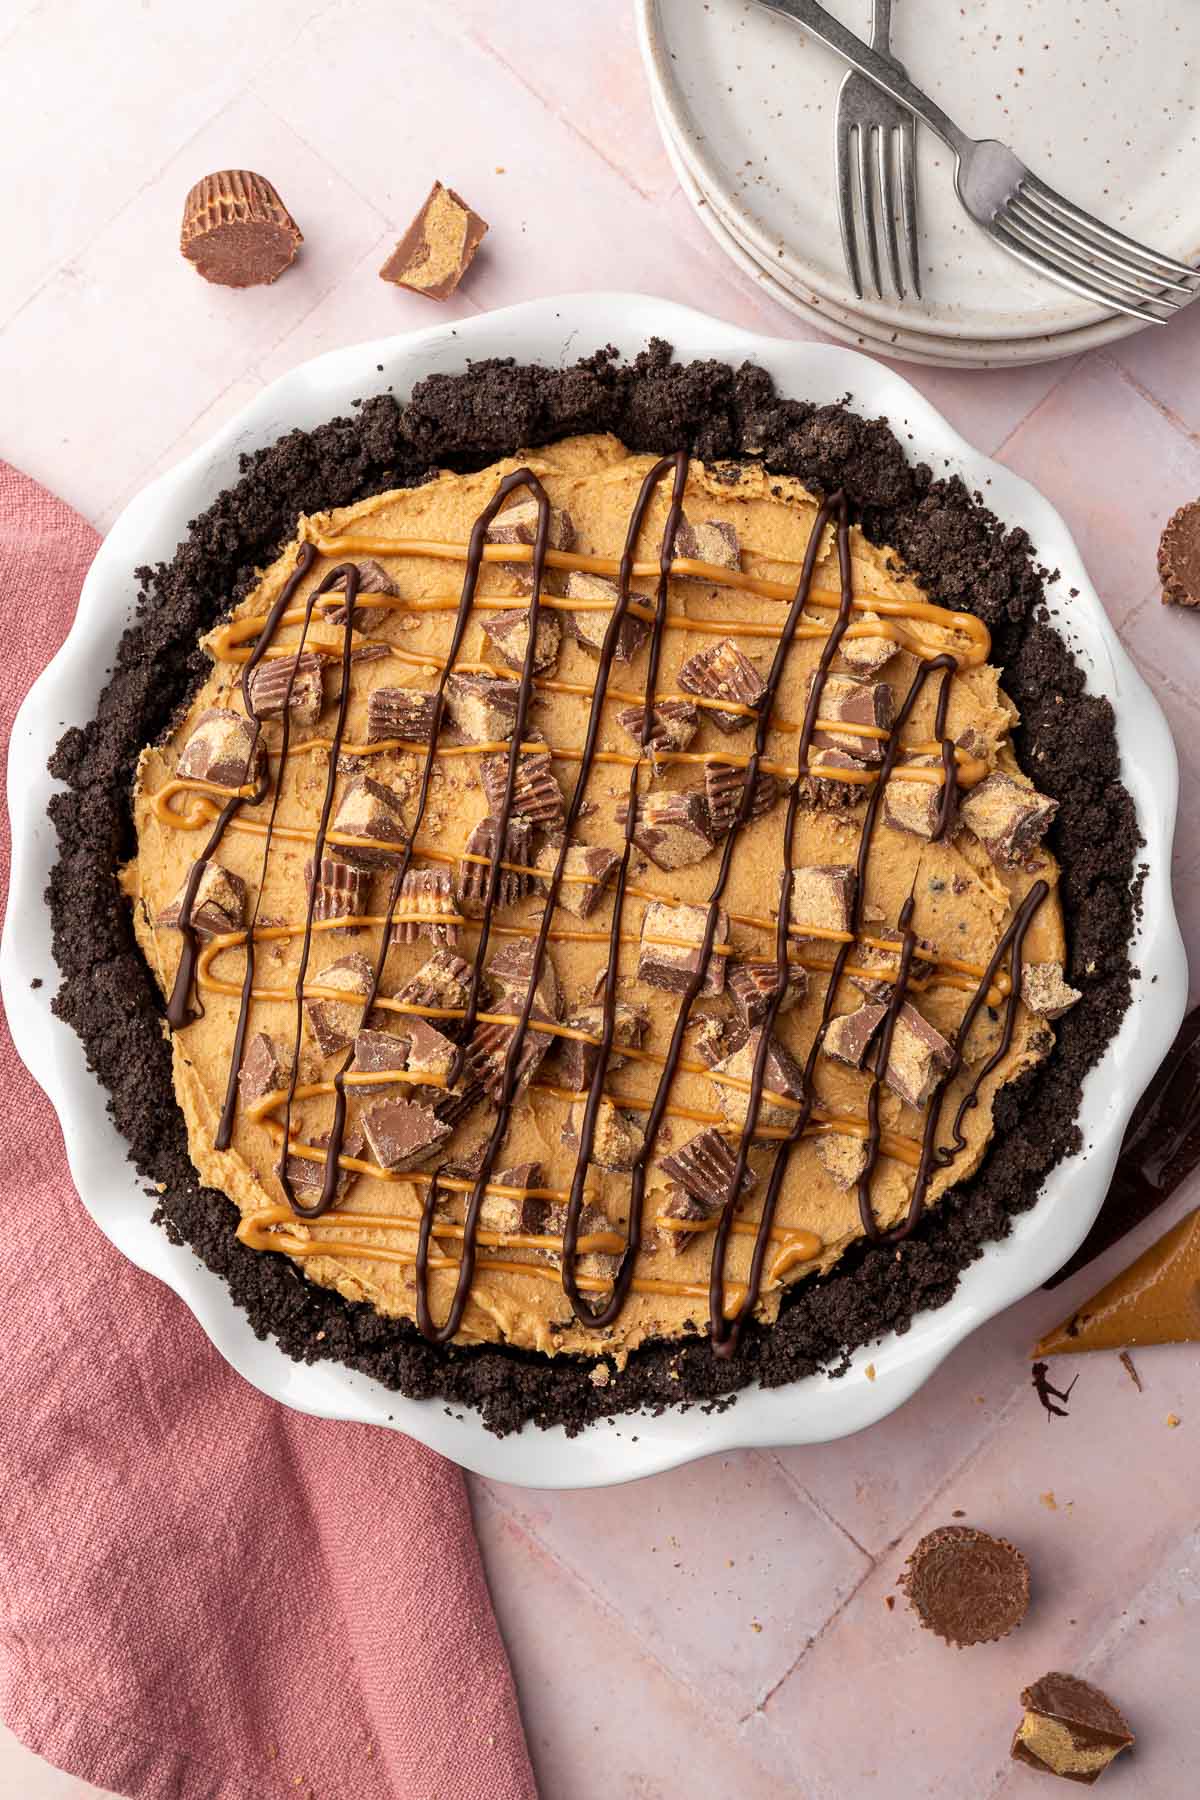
810 1411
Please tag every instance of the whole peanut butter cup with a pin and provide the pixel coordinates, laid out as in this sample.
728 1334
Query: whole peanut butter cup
236 230
967 1587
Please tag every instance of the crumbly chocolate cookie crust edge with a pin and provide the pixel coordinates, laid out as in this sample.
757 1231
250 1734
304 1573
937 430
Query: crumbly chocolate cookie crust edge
966 559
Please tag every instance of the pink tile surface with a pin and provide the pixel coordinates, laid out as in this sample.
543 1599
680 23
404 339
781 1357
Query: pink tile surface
722 1629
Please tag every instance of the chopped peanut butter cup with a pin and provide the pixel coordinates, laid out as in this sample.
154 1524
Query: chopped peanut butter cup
439 246
1070 1729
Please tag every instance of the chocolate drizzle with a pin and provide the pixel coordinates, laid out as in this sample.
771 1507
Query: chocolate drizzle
474 563
179 1008
597 1317
725 1332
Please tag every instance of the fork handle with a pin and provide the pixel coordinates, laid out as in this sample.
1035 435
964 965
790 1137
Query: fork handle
881 26
878 69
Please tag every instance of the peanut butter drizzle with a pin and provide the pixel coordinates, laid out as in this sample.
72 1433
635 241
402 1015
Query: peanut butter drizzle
259 1231
226 641
264 1237
947 971
730 1305
968 772
967 624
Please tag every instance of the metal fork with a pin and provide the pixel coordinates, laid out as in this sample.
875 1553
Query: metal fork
865 113
1023 215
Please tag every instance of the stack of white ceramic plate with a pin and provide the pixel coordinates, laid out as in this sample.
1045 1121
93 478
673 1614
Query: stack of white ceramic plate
1099 100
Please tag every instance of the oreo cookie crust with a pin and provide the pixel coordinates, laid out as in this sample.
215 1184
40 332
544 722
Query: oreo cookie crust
965 559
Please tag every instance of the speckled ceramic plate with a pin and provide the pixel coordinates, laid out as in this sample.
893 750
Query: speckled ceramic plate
837 321
810 1411
1099 100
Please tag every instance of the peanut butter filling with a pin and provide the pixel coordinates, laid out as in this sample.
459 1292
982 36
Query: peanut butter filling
949 899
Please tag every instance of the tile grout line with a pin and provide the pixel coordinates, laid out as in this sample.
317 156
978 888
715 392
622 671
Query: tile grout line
140 480
323 157
765 1699
81 249
875 1562
1160 406
606 1607
1072 364
490 51
810 1499
1142 654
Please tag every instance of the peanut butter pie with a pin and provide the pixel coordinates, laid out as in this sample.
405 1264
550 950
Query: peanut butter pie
629 881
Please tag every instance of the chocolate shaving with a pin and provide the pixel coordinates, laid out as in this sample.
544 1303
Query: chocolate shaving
1047 1393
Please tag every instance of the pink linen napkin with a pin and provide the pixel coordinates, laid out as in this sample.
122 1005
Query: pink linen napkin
202 1594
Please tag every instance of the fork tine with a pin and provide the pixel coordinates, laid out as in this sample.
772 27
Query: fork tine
1116 238
908 199
1102 285
887 203
1056 246
1027 207
845 196
866 194
1000 228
